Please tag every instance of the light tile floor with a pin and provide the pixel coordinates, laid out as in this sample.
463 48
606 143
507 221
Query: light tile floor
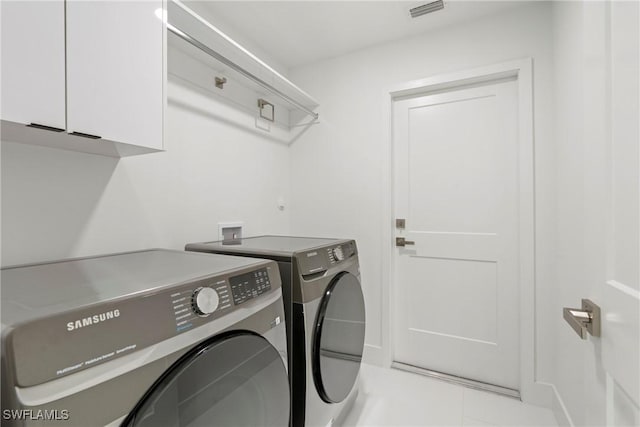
390 397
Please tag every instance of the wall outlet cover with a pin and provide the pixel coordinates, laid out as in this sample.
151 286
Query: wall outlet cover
228 231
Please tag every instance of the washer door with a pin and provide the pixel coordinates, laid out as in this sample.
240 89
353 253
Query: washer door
234 379
338 338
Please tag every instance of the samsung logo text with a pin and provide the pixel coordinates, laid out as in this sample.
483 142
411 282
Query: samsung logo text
92 320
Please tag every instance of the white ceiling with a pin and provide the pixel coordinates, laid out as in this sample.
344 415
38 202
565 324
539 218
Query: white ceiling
296 33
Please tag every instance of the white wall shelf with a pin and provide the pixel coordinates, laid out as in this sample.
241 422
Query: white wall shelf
199 54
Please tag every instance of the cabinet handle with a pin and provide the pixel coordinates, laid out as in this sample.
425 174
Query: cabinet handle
44 127
85 135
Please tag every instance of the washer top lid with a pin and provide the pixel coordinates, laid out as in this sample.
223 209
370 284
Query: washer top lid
38 290
267 245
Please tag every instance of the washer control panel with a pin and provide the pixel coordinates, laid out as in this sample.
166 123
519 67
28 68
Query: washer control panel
200 300
204 301
249 285
120 326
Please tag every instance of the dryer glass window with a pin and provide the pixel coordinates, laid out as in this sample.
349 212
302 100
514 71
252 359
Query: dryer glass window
236 379
339 338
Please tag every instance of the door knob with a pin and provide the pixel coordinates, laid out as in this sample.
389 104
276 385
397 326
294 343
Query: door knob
402 242
584 320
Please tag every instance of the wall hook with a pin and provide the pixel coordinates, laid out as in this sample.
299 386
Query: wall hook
220 81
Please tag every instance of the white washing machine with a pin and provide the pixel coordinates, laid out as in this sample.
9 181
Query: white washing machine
149 338
325 314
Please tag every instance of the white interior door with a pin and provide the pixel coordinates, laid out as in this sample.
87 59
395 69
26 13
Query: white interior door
610 204
456 185
621 295
597 378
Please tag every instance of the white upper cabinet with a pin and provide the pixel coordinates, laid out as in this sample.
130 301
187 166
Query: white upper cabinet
93 70
114 71
33 88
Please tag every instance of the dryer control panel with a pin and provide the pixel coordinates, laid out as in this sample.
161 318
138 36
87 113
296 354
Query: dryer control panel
317 267
341 252
319 260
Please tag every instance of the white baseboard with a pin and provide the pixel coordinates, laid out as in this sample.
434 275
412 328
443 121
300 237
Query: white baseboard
559 409
373 355
538 393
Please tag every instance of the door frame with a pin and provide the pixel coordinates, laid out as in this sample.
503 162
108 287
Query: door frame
531 390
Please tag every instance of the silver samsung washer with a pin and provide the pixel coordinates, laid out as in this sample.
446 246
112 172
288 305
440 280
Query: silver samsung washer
325 319
144 338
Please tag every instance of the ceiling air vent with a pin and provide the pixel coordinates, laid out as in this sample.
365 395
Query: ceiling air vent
426 8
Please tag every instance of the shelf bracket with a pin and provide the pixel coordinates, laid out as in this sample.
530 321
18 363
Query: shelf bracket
227 62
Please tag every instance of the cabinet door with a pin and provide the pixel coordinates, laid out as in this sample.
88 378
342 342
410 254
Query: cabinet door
33 87
115 71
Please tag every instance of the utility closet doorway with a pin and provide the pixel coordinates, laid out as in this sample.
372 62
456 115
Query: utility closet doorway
460 177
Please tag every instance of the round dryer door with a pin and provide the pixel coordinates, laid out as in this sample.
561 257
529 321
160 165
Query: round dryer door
338 338
235 379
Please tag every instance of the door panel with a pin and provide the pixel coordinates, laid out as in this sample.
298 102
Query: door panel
476 302
453 167
456 172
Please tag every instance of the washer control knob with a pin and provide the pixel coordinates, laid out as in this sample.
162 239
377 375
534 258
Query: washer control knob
338 254
204 301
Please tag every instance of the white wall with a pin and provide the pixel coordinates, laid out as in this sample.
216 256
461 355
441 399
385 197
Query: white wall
338 166
58 204
569 365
